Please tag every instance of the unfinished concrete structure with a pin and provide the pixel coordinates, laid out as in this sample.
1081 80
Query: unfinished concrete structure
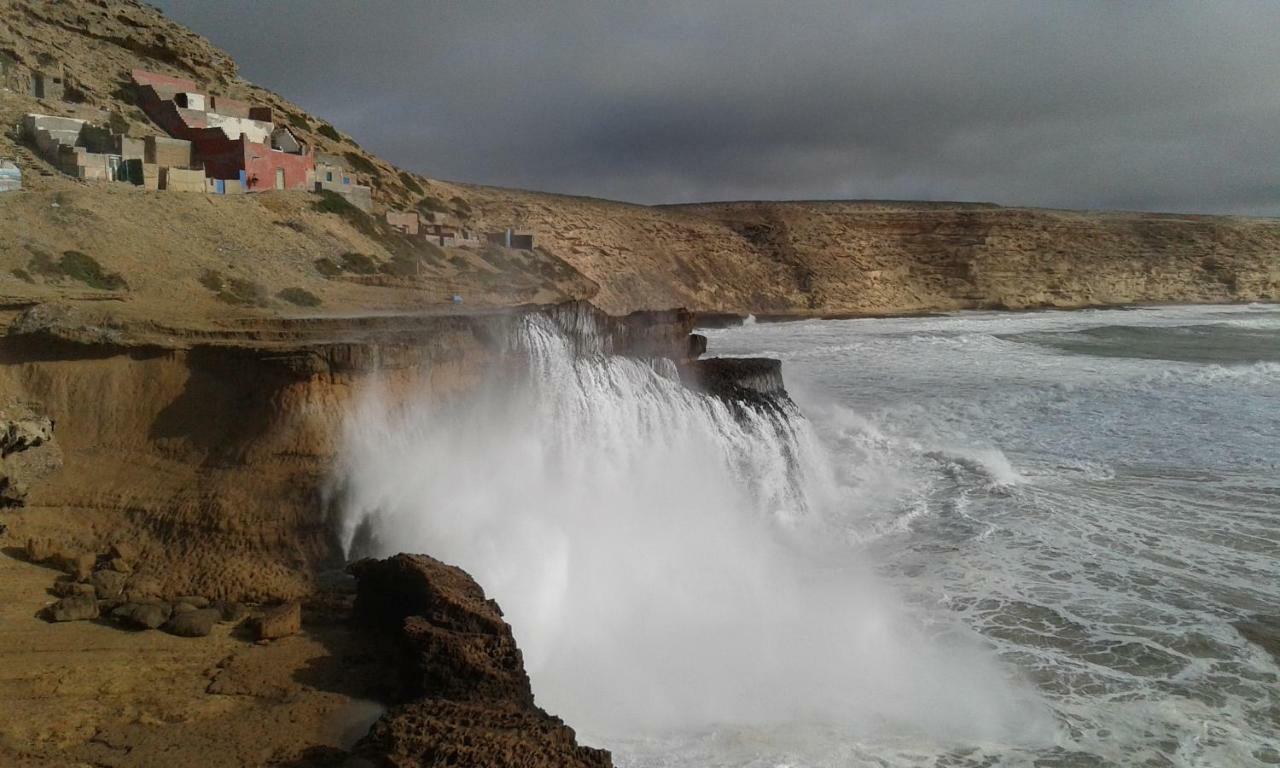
49 85
171 153
332 175
521 241
405 221
70 144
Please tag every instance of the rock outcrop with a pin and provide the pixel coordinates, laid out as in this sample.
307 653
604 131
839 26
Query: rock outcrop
736 377
469 699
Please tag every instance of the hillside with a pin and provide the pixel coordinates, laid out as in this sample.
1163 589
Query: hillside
767 258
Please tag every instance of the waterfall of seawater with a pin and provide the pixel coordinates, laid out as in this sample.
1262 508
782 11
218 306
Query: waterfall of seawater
667 562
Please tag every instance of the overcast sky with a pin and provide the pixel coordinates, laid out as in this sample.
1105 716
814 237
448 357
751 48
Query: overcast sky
1062 103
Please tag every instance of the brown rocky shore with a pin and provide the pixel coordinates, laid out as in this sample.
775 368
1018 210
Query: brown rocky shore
172 591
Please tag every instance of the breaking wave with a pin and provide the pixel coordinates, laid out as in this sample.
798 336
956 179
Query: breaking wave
670 562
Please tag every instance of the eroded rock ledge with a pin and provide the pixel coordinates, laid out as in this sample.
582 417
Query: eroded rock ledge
468 697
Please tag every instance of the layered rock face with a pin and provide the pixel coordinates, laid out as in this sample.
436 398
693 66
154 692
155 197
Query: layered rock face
470 700
212 452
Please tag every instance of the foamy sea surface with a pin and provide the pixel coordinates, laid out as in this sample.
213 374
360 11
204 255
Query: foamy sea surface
1096 494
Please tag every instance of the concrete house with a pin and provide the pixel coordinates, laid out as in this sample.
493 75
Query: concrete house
75 147
231 139
332 175
48 85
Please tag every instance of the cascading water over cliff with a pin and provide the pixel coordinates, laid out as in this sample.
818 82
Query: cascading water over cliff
667 560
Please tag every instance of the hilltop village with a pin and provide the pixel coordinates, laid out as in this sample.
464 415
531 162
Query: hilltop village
213 145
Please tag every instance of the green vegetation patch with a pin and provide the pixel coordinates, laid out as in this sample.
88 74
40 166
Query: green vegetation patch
410 183
358 263
431 204
462 207
301 121
329 132
328 267
22 275
234 290
361 163
300 297
77 266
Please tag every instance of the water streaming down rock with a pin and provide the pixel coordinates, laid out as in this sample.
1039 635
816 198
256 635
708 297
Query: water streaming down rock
668 560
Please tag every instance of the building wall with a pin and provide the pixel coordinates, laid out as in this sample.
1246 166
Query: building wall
176 84
171 153
405 221
190 100
261 163
47 85
131 149
183 180
235 127
229 107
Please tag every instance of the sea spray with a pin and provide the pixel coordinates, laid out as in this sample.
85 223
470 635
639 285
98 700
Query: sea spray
666 561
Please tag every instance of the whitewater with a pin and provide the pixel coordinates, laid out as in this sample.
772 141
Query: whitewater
974 539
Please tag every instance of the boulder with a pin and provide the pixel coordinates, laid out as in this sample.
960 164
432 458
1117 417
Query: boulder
109 584
280 621
184 608
197 622
40 550
193 600
142 615
470 698
79 566
13 492
74 608
23 433
68 588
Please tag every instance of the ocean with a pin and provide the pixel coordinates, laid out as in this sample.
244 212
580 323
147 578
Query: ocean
976 539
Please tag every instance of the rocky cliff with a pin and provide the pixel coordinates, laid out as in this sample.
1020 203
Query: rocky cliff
467 698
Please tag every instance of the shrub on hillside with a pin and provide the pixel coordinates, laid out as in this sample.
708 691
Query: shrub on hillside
300 297
82 267
359 263
329 132
410 183
359 162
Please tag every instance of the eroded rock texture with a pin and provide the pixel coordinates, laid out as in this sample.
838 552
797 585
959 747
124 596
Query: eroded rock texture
469 699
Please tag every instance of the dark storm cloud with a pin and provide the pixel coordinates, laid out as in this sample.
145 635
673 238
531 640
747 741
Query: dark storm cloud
1170 106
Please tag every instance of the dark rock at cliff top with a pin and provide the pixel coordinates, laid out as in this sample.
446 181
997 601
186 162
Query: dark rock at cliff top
736 378
470 702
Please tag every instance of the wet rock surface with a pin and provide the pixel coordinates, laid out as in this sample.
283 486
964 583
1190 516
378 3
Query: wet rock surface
468 698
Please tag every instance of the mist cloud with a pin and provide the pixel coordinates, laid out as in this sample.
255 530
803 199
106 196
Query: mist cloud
1155 106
